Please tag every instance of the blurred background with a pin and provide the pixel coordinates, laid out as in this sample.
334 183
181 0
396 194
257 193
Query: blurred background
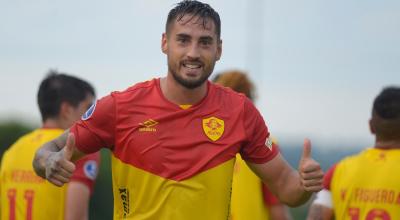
317 65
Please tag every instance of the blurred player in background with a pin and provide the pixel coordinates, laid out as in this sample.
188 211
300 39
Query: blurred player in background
367 185
251 199
174 139
62 100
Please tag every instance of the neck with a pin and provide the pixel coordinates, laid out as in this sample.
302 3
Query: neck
180 95
54 123
387 144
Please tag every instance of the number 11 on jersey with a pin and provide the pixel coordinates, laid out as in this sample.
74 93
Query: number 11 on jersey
12 197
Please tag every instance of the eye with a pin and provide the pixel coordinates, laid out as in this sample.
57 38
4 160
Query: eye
205 42
182 40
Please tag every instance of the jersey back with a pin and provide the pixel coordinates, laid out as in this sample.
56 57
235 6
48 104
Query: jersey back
24 195
367 186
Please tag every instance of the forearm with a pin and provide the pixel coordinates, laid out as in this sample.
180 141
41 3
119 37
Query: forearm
77 201
291 192
290 186
282 180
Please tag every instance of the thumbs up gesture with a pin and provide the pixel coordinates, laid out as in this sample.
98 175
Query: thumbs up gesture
59 167
311 175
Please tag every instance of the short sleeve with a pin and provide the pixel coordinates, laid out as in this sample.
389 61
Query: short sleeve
96 129
258 147
87 169
328 177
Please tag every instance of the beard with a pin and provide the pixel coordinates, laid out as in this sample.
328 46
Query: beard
191 84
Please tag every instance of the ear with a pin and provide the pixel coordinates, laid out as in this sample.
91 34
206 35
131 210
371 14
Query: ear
65 110
371 126
219 49
164 43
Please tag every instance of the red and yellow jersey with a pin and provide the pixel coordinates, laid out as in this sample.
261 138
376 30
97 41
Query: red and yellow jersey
23 195
250 197
366 185
169 162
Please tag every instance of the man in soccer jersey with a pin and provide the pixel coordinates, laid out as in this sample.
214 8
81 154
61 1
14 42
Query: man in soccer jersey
62 100
174 139
367 185
251 199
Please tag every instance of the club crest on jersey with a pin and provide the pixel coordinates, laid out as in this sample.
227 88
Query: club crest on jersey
213 128
90 169
89 112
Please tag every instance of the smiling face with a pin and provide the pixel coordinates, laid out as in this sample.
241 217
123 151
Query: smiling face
192 48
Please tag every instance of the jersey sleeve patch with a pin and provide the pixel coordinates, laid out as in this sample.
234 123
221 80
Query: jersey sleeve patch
90 168
89 112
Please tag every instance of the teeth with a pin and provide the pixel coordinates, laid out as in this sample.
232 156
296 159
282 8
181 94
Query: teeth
191 66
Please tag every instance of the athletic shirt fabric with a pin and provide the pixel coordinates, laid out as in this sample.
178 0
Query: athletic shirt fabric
366 185
169 162
24 195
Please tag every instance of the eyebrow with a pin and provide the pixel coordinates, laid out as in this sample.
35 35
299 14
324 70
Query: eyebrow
206 38
183 35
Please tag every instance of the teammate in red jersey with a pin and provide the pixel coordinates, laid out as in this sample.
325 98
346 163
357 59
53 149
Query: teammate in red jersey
366 185
62 100
251 199
174 139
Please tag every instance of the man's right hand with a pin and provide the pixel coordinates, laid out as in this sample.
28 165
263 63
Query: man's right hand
59 167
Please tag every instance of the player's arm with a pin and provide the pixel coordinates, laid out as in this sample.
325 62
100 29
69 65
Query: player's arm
81 187
321 208
52 161
290 186
77 201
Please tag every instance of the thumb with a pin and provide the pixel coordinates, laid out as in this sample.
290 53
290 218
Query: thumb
306 149
69 147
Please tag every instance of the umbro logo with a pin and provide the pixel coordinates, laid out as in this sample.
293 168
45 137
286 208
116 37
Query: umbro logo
148 126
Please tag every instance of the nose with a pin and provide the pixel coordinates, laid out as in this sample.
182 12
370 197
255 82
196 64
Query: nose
193 52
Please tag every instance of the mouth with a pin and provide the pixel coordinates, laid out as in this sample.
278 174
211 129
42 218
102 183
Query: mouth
192 66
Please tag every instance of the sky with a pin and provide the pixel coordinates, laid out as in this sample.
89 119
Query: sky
317 65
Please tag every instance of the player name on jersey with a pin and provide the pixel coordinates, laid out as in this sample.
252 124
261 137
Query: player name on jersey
382 196
25 176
